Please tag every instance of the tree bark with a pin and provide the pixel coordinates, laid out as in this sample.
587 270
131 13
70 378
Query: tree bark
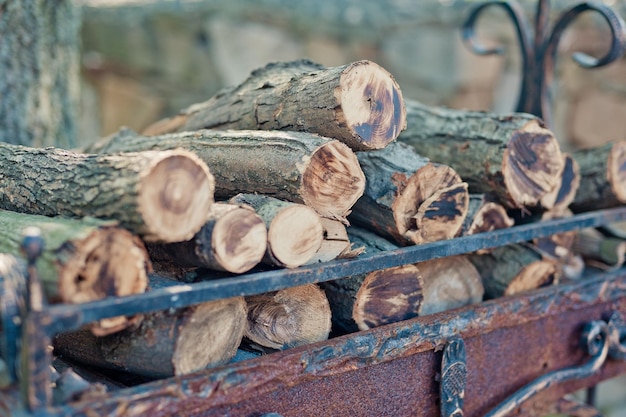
162 196
513 269
83 260
603 177
234 239
166 343
484 215
39 62
512 156
409 199
359 104
294 231
299 167
288 318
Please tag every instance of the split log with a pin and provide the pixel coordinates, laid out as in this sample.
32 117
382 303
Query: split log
603 177
512 156
484 215
407 198
83 260
564 194
513 269
166 343
288 318
294 231
234 239
599 251
162 196
300 167
336 243
359 104
365 301
449 283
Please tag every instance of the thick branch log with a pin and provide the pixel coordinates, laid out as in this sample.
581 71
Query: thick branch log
288 318
603 177
162 196
166 343
600 251
293 166
513 269
294 231
336 243
563 195
83 260
359 104
484 215
234 239
513 156
409 199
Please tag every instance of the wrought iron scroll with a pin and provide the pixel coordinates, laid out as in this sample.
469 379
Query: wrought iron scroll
453 379
539 51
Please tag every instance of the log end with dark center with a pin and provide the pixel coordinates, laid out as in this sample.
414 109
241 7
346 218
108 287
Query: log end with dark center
175 197
332 180
532 165
491 216
616 170
564 193
372 105
388 296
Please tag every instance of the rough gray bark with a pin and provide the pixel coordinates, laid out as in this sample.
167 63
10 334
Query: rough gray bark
39 63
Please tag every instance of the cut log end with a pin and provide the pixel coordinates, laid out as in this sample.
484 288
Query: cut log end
491 216
372 105
109 262
294 236
616 170
432 205
564 193
239 240
332 180
532 276
210 336
175 197
532 165
388 296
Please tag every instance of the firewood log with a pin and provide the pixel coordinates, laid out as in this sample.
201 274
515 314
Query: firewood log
234 239
294 231
513 269
359 104
166 343
161 196
288 318
83 260
512 156
407 198
300 167
336 243
484 215
600 251
564 194
603 177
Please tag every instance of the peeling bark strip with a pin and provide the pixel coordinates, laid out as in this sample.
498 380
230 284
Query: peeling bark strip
512 156
603 177
234 239
300 167
83 260
288 318
166 343
294 231
359 104
162 196
409 199
484 215
512 269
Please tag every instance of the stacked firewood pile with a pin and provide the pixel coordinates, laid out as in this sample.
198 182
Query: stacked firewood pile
297 165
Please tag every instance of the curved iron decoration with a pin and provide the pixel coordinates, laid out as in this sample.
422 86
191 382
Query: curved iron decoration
617 333
595 339
453 379
539 51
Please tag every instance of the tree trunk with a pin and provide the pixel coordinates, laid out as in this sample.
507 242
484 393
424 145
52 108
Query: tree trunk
359 104
166 343
234 239
513 156
484 215
288 318
513 269
162 196
299 167
83 260
409 199
39 63
603 177
294 231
